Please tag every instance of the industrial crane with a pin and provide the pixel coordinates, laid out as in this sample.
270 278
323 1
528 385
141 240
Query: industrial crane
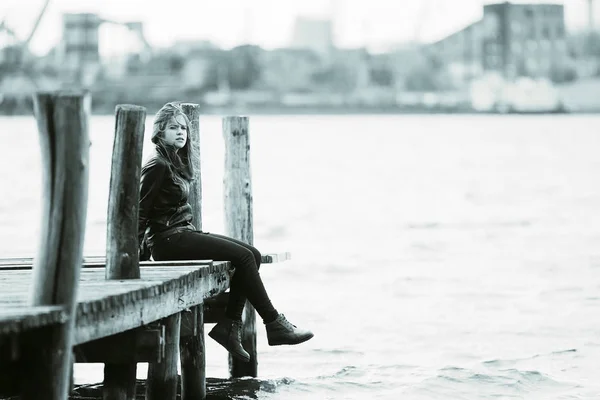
20 50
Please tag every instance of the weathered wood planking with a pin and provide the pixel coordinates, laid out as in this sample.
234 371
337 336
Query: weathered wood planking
99 261
109 307
18 317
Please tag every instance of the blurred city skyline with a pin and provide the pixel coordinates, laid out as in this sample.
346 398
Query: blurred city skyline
377 24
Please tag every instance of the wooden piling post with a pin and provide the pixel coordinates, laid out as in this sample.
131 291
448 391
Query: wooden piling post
237 186
122 258
192 355
192 111
62 120
192 351
162 377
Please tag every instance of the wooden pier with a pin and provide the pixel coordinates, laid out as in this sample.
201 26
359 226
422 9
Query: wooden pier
61 308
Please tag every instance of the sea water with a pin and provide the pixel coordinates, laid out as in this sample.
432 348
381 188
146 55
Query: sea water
434 257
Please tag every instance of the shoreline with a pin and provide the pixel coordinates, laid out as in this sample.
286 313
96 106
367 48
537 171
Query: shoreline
245 110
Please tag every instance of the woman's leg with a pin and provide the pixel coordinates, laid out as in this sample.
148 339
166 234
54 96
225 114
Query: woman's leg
246 281
190 245
237 297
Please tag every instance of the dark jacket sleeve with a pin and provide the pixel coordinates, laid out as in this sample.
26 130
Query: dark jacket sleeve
151 179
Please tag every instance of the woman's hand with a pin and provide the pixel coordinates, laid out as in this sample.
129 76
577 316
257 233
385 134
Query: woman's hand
144 251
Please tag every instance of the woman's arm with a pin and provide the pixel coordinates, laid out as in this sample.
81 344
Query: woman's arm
152 177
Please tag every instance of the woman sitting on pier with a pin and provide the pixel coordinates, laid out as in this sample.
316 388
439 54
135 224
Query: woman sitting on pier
164 210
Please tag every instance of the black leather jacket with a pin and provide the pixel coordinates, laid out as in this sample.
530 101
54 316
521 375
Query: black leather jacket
163 207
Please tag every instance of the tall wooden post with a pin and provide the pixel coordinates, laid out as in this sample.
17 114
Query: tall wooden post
192 352
62 120
192 111
237 185
122 258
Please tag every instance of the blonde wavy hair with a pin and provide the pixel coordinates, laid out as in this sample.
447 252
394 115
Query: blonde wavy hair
182 163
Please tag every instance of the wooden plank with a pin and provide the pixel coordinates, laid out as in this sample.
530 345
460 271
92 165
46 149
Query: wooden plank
20 318
109 315
109 307
8 264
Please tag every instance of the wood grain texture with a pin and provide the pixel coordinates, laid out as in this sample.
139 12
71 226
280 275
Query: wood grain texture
163 377
7 264
192 111
192 352
122 259
122 255
191 347
156 297
62 120
237 181
15 318
109 307
237 188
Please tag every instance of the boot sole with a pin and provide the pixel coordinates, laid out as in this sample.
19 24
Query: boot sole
299 340
239 356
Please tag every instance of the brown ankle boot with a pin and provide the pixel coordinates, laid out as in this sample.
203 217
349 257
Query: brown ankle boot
281 331
228 333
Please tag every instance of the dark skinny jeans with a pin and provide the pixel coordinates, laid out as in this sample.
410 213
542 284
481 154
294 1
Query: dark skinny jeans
245 283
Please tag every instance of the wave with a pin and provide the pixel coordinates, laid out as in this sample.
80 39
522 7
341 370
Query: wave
469 225
505 362
462 383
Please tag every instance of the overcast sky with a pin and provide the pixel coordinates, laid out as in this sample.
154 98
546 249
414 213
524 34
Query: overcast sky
264 22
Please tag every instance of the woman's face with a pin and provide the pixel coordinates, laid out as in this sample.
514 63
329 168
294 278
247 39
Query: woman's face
176 132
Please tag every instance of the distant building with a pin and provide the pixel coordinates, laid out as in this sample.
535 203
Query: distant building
462 52
80 39
198 66
11 55
511 39
289 69
185 47
313 34
524 39
80 55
